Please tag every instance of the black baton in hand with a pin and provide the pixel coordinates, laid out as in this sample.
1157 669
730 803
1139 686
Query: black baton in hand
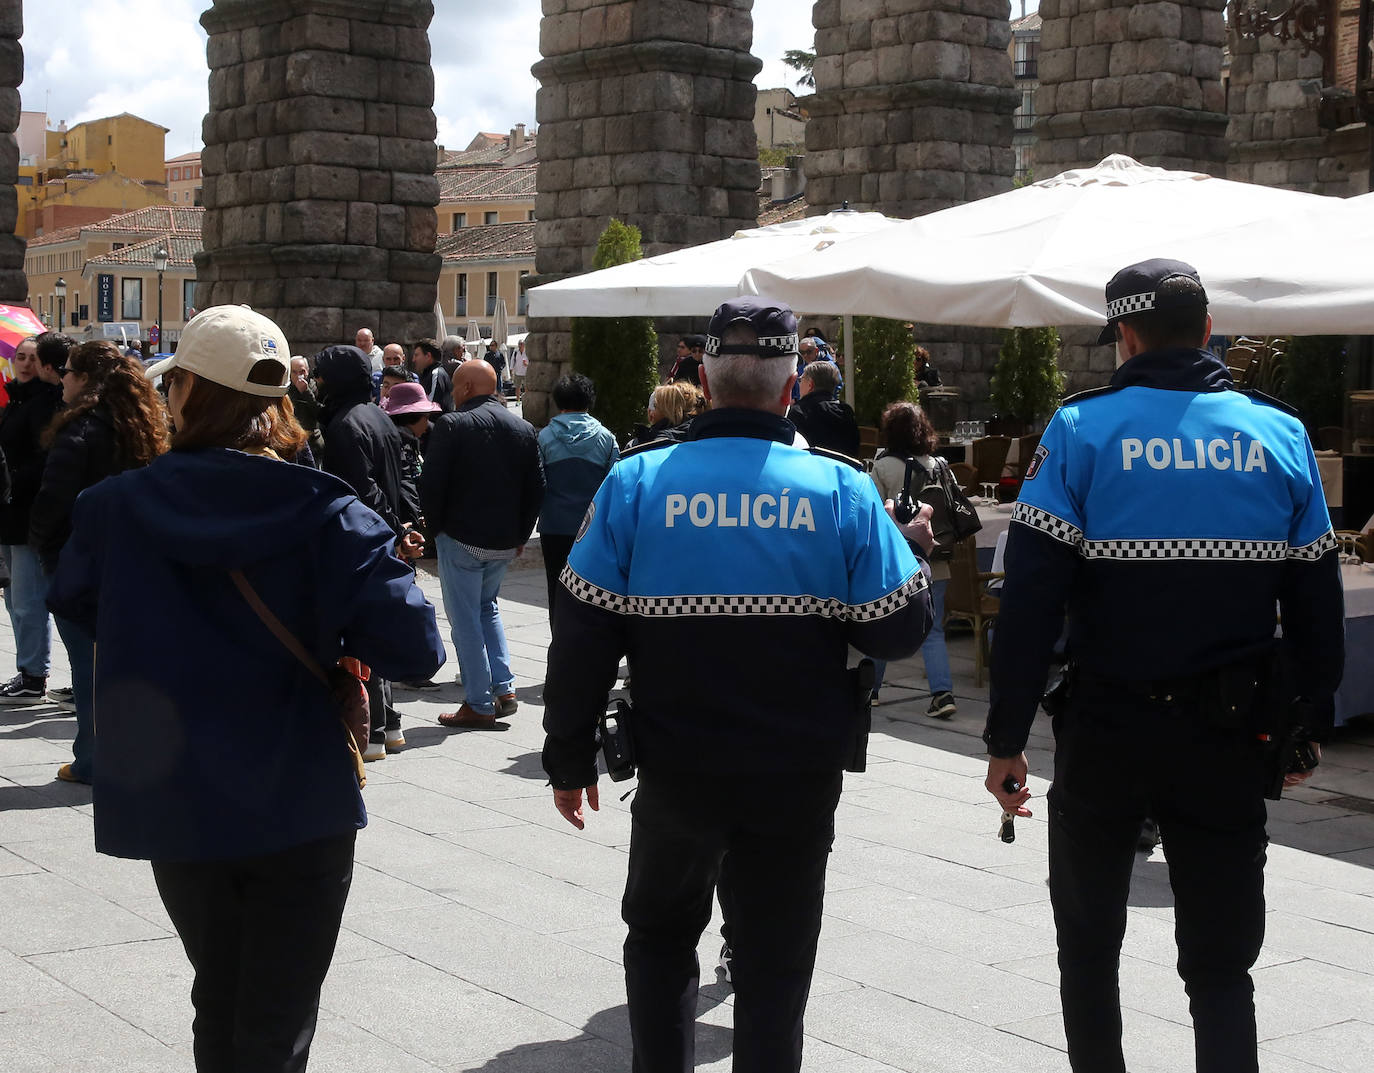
1007 832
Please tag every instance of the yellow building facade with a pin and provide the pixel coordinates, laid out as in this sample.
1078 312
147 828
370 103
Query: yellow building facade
110 276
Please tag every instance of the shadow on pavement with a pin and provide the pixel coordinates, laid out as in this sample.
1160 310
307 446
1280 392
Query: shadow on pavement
603 1045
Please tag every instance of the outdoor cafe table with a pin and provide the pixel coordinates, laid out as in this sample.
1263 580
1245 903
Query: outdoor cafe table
1356 695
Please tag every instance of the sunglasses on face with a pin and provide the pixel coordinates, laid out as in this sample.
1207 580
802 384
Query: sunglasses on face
63 370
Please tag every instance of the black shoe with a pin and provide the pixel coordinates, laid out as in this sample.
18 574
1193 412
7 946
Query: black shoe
1149 837
941 706
426 685
23 689
723 965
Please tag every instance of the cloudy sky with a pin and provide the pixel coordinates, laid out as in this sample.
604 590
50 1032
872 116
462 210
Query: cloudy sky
84 61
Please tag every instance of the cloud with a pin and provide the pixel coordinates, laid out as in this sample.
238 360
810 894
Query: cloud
148 57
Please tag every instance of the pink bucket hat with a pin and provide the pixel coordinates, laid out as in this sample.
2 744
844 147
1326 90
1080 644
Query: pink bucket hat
408 399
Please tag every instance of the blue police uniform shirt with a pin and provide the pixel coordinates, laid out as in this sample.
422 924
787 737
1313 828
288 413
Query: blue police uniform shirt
735 570
1173 514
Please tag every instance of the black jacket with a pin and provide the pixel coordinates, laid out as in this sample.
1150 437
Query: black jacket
83 454
438 387
483 481
361 445
826 423
30 410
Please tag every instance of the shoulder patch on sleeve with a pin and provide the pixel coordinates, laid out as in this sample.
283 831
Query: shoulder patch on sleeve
1090 393
586 521
836 456
1260 396
1037 460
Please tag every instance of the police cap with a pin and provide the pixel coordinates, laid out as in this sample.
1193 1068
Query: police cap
775 324
1135 290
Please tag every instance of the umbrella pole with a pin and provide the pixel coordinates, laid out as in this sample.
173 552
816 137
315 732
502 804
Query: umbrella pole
851 361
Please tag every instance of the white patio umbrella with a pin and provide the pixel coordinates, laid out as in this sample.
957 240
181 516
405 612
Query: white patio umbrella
1041 255
500 326
473 339
693 281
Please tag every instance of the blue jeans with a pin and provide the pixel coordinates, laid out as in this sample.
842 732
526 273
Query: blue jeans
26 599
933 651
80 647
470 587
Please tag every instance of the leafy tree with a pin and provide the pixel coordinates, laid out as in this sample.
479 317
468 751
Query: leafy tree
620 354
1027 385
802 62
1314 379
882 358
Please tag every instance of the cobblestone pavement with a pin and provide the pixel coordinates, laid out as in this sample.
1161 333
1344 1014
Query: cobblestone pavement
483 933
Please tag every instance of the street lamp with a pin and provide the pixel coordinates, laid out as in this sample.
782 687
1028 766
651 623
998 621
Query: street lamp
60 289
160 263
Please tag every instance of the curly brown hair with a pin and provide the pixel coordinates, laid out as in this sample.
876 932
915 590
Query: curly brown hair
117 381
907 430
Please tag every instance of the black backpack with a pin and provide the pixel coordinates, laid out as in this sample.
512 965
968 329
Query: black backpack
935 487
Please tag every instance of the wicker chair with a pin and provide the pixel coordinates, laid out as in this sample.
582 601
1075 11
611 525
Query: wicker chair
966 601
965 476
990 458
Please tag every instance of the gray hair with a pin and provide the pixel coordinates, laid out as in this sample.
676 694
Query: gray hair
746 380
824 376
451 345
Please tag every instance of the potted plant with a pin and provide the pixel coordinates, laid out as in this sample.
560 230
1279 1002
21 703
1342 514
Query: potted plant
619 354
1026 386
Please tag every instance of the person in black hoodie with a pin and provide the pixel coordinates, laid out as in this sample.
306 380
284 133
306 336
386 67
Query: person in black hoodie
33 402
363 448
424 362
250 832
114 420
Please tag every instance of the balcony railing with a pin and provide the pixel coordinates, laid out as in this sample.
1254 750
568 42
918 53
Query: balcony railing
1026 68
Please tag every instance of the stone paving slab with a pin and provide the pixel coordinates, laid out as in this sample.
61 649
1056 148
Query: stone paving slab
483 934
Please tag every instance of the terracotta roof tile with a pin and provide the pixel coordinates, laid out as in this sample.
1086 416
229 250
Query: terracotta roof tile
181 251
777 212
486 184
490 242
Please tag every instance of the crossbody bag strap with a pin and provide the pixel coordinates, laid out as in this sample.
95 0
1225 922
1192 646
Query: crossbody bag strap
279 631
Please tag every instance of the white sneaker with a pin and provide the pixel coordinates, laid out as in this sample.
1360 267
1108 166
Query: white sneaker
376 750
395 741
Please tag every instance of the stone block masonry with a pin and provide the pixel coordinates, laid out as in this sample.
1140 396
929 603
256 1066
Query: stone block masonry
912 114
14 285
319 161
1142 79
645 112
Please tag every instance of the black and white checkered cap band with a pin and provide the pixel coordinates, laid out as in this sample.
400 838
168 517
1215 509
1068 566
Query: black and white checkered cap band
753 604
769 346
1132 303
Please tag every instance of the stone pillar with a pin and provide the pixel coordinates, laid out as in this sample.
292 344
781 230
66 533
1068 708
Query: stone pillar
913 103
14 285
1142 79
646 113
912 114
1284 132
319 167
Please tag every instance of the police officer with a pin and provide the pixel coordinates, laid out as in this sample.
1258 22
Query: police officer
1175 516
765 562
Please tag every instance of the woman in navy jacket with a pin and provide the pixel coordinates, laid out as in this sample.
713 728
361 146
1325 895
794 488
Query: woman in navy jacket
222 759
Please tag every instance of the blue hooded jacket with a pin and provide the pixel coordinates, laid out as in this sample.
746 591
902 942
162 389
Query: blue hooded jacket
212 740
578 452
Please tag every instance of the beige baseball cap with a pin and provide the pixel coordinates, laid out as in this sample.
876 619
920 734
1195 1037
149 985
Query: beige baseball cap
224 344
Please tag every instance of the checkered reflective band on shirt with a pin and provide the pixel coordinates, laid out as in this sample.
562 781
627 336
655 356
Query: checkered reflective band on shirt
752 604
1248 550
1047 523
1132 303
1314 551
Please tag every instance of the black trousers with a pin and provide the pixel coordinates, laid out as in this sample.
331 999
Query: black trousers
260 934
556 547
778 830
1118 759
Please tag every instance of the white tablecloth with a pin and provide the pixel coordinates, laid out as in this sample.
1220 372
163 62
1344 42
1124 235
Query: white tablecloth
995 523
1359 590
